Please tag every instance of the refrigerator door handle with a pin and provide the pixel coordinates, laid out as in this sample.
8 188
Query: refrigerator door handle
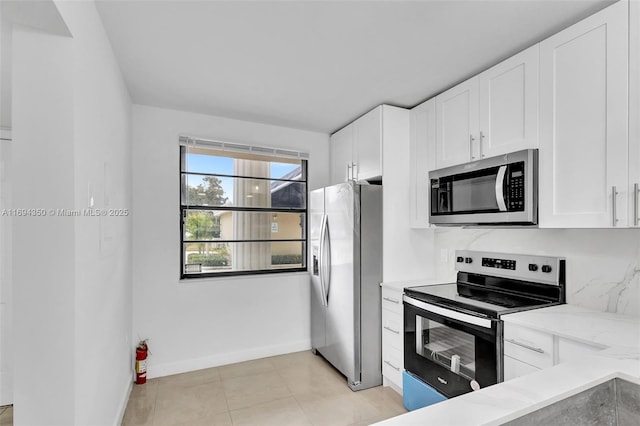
321 256
327 261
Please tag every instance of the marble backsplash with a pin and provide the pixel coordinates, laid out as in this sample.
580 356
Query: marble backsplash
603 265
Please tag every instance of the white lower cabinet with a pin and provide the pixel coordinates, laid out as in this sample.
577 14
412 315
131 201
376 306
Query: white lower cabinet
570 349
392 333
515 368
529 346
527 350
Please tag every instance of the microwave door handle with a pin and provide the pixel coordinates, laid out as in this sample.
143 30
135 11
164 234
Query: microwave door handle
500 188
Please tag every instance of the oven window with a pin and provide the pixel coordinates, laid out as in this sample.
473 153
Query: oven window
453 349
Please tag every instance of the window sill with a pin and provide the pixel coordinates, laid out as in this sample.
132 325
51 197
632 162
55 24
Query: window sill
250 276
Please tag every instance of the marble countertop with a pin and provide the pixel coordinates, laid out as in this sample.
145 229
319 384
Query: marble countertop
581 324
509 400
401 285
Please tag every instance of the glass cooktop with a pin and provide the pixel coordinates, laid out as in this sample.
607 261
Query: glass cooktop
476 300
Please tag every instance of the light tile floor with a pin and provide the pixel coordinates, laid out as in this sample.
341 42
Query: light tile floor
293 389
6 416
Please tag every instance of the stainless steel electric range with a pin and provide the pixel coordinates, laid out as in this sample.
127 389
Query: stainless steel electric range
453 338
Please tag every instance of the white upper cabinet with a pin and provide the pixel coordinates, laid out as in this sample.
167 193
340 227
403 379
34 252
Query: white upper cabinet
368 151
341 147
634 114
356 149
457 124
493 113
421 146
583 172
509 105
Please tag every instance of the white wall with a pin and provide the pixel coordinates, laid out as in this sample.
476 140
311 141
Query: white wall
102 153
43 247
201 323
6 305
71 275
5 69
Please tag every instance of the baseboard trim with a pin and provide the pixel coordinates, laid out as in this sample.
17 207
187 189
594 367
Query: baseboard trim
124 402
167 369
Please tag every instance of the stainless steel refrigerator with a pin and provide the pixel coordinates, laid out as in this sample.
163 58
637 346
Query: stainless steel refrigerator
346 271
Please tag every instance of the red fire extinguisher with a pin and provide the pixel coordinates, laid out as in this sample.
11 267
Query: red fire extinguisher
141 362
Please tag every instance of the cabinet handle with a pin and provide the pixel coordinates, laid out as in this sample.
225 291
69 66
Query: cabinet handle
388 299
636 190
515 342
481 140
348 172
391 365
471 139
614 196
391 329
355 170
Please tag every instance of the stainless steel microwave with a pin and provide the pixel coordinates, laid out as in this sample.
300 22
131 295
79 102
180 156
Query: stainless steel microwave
492 191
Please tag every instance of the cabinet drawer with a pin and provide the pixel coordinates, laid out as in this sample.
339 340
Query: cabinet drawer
392 300
392 365
392 329
514 368
530 346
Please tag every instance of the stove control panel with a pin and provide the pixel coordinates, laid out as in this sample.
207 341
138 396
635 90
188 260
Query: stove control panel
492 262
541 269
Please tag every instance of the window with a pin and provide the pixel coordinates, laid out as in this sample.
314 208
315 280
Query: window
243 209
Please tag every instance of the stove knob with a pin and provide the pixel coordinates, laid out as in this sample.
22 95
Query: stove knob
533 267
546 268
468 260
460 259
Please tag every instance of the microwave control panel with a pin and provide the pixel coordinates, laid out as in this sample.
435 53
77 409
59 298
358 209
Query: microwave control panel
516 187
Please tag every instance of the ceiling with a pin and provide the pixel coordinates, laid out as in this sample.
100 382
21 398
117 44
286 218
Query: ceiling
316 65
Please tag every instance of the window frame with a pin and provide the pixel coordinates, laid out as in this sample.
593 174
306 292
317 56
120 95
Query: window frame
184 208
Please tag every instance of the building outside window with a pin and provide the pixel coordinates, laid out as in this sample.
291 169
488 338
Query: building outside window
243 209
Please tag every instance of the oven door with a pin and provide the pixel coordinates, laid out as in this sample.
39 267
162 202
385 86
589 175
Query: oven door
452 351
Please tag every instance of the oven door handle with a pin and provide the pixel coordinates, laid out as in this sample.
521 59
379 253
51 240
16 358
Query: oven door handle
448 313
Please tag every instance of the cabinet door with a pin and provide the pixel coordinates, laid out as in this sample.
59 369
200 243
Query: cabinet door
368 145
583 123
457 124
570 350
341 154
509 105
634 114
422 159
392 335
515 368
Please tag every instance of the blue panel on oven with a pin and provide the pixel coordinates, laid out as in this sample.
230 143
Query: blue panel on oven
417 394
